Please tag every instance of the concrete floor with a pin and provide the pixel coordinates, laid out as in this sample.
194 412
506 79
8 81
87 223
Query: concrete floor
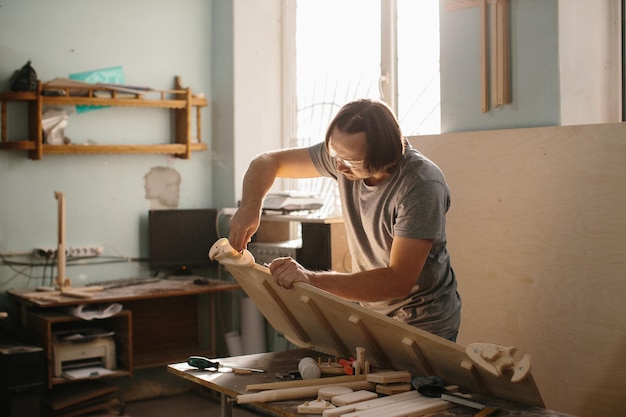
192 403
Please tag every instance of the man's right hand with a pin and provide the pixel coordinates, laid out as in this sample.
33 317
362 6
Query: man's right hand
243 225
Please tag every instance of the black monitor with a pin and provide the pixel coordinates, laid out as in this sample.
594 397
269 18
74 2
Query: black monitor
180 239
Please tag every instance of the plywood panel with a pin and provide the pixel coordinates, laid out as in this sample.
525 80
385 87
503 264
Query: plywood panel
537 235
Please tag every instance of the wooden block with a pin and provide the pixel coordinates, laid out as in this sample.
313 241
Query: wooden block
391 399
332 369
411 408
314 407
353 397
389 377
391 389
364 405
327 393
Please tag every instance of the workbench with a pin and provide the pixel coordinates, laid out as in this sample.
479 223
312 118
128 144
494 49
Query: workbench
161 321
230 385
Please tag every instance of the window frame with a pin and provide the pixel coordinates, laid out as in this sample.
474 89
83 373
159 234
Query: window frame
388 77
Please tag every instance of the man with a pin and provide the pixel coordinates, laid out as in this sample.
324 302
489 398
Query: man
394 202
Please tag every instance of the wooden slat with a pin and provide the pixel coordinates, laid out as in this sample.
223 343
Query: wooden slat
410 408
493 35
419 359
306 382
389 377
373 345
296 327
484 59
326 325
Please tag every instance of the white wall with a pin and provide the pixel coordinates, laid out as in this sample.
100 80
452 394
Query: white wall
258 81
247 88
589 61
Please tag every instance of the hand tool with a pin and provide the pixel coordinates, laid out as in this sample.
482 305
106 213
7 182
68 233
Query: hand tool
459 399
203 363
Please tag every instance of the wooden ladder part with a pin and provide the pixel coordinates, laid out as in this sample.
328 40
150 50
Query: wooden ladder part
496 359
372 345
418 358
474 377
291 319
317 313
225 254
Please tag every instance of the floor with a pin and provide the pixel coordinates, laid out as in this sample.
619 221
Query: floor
192 403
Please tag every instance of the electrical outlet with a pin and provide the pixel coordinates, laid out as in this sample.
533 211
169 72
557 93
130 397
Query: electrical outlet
70 252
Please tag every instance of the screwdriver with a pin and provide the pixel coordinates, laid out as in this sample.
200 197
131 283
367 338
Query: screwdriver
203 363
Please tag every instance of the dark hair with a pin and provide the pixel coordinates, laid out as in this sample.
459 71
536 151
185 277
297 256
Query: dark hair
385 143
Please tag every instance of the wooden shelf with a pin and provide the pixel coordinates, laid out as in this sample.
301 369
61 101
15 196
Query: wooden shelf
43 325
166 148
180 101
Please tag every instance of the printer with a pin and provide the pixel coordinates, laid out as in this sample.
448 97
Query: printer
75 350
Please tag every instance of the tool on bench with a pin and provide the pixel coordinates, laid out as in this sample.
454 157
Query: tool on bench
430 386
203 363
434 387
462 400
289 376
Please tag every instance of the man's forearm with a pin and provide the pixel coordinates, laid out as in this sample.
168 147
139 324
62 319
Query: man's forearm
258 180
368 286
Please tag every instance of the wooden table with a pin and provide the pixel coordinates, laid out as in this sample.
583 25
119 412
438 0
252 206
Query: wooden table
166 315
230 385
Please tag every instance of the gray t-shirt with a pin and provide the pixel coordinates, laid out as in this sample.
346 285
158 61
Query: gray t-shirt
411 203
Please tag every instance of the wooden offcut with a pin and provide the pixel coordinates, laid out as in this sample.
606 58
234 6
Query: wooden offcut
389 377
353 397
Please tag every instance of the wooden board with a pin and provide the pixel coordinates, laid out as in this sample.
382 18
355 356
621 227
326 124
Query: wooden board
310 317
536 232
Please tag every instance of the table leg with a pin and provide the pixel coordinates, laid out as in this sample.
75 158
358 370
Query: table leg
226 405
212 326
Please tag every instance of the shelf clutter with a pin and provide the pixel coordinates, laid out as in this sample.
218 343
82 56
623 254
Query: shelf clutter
66 92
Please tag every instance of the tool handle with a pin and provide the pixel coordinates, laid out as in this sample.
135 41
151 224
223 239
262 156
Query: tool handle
201 362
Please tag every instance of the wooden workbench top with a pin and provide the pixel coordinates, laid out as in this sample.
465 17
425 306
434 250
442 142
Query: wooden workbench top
282 363
156 289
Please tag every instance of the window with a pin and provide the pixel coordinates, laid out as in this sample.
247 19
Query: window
348 49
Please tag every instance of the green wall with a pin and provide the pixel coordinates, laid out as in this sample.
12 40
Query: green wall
534 69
